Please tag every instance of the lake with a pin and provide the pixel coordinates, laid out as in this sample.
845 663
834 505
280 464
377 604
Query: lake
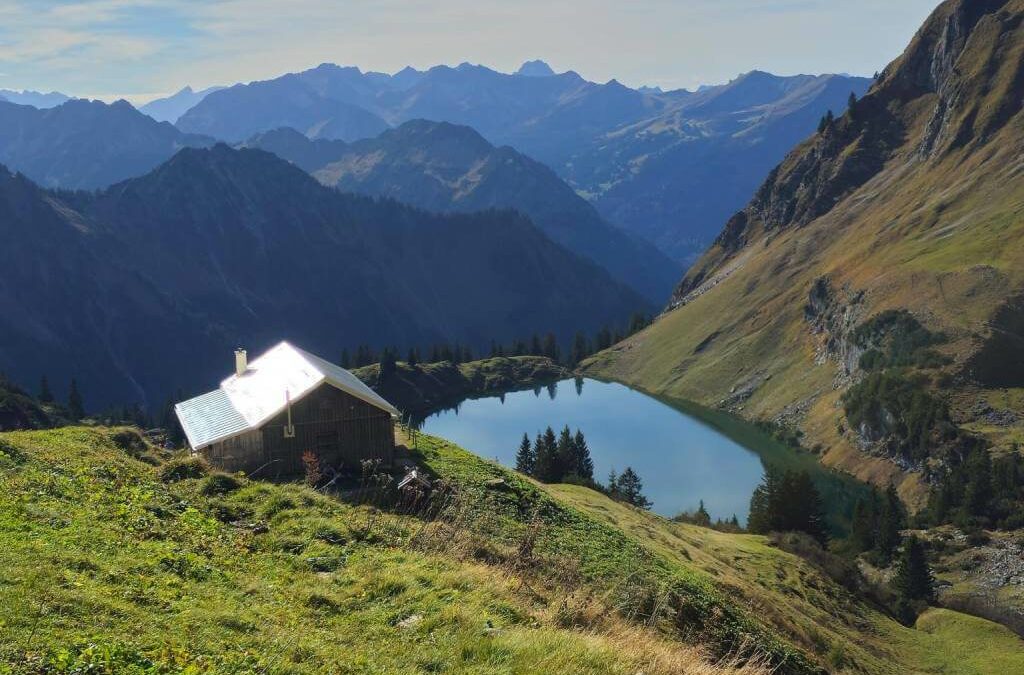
681 456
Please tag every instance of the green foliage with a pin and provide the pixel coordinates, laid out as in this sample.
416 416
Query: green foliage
895 339
525 457
913 580
184 468
877 522
220 483
980 491
627 487
787 502
891 406
76 406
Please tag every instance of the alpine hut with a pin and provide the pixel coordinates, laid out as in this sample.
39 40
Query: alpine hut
285 403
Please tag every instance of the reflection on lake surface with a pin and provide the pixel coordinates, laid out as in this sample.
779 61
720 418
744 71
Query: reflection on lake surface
680 459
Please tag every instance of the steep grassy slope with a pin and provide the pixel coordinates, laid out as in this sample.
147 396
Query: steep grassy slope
109 564
912 201
113 559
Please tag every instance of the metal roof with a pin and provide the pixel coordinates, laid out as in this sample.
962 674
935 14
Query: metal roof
244 402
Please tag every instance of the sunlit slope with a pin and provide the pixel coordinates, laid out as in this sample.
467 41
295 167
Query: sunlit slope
913 201
113 556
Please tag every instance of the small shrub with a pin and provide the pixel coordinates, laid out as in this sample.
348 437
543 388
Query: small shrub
220 483
183 469
311 467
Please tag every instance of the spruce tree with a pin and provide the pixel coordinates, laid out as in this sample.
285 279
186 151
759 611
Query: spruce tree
613 484
701 516
525 458
551 346
45 395
630 489
978 490
76 407
546 462
891 520
346 360
584 462
565 455
913 580
388 365
413 358
580 349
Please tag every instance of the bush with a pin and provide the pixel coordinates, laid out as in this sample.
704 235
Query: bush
220 483
183 469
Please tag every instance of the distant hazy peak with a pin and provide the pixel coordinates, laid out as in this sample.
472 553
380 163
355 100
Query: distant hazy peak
535 68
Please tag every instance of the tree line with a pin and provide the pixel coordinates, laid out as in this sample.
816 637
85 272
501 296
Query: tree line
580 347
565 458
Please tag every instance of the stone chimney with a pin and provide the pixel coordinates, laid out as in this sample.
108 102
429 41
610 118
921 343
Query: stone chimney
241 362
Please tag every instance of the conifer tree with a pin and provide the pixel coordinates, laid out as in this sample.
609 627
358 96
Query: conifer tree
525 457
565 455
580 349
413 358
546 462
346 360
536 349
613 484
630 489
978 490
891 520
913 580
45 395
76 407
701 516
388 365
584 462
551 346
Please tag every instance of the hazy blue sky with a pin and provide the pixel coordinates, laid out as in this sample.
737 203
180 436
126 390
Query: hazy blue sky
142 48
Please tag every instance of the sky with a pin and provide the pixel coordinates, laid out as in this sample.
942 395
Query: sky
143 49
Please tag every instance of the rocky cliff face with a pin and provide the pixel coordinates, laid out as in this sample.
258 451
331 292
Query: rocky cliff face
958 82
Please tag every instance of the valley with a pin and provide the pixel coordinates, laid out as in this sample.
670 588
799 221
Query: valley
408 367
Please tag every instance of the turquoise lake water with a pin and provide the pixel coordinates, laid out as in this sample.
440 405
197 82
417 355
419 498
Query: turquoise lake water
680 459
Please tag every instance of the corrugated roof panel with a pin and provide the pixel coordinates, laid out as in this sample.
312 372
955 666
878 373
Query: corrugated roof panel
209 418
249 400
346 381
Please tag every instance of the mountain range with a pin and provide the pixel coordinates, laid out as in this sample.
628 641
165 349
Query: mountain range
34 98
147 286
445 167
83 144
870 294
668 166
170 108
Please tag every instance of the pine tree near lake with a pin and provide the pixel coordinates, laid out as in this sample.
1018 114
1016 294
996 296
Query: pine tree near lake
787 502
525 457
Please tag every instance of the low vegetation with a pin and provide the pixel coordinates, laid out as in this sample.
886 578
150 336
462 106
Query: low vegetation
112 563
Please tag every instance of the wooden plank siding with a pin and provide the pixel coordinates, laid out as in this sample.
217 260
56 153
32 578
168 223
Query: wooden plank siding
339 428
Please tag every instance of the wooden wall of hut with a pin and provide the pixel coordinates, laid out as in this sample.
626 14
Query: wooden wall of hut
340 429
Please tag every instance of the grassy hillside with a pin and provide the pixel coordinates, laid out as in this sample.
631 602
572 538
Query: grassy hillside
912 202
114 558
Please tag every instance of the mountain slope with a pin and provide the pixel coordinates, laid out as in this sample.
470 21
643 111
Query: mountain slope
149 284
505 575
33 98
675 178
170 108
444 167
911 202
667 166
84 144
